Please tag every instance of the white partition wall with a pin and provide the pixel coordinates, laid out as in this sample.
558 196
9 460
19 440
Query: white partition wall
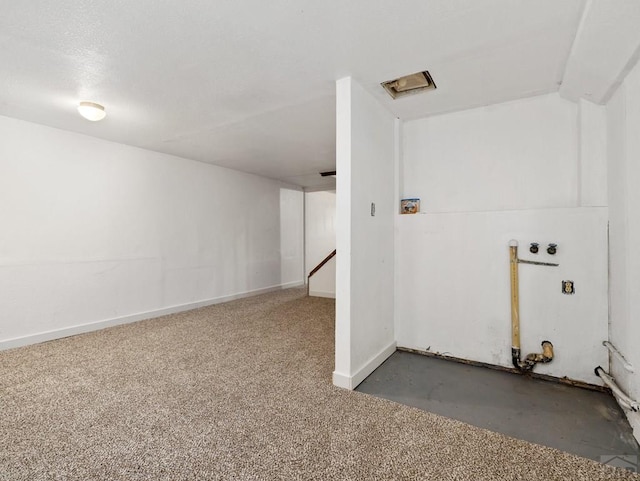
365 141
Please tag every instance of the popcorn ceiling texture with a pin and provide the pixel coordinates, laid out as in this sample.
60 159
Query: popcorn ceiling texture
235 391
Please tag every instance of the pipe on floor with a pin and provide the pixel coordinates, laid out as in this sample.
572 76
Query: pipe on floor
623 399
531 360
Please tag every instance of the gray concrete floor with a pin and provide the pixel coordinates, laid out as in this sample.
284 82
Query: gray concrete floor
579 421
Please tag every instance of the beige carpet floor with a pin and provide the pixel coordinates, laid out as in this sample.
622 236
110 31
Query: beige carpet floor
235 391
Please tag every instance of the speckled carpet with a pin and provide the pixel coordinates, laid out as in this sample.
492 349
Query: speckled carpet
235 391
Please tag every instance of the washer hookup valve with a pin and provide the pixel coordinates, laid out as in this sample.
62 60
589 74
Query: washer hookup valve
552 249
533 248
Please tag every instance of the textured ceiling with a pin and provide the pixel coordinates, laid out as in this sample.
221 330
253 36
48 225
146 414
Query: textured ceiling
250 85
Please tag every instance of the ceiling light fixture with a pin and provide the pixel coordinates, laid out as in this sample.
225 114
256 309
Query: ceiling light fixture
92 111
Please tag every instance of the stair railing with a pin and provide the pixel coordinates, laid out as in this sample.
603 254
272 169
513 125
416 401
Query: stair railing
319 266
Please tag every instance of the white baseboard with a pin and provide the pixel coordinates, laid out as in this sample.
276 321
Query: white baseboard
351 382
342 380
331 295
97 325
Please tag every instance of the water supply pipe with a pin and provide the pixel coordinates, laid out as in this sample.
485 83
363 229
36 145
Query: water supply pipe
531 360
623 399
612 349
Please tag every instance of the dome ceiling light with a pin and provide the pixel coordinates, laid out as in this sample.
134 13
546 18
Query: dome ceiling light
92 111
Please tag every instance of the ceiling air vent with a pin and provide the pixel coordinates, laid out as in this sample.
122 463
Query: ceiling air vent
409 84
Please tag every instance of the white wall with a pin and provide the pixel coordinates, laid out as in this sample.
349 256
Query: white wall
320 240
515 155
515 170
291 214
454 296
623 122
365 159
98 232
592 169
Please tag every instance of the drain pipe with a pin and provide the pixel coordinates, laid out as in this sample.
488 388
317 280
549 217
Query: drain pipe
623 399
531 360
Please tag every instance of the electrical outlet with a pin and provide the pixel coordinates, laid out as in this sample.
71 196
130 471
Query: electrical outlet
568 287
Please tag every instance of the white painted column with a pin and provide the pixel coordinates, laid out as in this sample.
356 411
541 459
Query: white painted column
342 373
365 163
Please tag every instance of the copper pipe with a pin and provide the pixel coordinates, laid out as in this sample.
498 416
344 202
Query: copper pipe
547 348
515 301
